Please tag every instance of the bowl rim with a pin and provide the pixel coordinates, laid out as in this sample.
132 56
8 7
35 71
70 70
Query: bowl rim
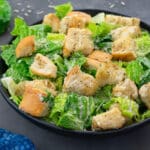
55 128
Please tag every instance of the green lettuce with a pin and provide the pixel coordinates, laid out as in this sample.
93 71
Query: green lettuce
57 38
103 43
145 115
76 58
143 44
59 61
100 29
70 121
5 15
80 106
102 98
134 71
19 71
58 108
145 78
129 108
21 29
63 9
99 18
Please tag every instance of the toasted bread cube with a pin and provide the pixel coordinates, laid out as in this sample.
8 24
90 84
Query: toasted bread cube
111 119
53 21
126 31
120 20
78 40
74 19
145 94
127 89
32 102
79 82
109 73
25 47
100 56
42 84
124 49
43 66
92 63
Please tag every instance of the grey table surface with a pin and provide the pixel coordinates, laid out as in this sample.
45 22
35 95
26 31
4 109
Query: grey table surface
44 139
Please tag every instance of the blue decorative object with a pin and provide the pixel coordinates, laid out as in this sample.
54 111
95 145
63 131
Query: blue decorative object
11 141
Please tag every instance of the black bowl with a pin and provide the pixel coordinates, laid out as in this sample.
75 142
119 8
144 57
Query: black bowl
51 126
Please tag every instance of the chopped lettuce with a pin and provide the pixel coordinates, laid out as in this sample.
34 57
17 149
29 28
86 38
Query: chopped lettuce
145 78
70 121
9 84
100 29
99 18
22 30
58 108
145 61
59 61
63 9
102 98
145 115
81 106
48 48
134 71
77 58
57 38
129 108
19 71
103 43
5 15
8 54
143 44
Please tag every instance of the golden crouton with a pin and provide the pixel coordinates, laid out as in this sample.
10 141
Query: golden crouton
43 66
112 119
43 84
74 19
120 20
124 49
79 82
126 31
78 40
109 73
127 89
53 21
145 94
25 47
32 102
100 56
92 63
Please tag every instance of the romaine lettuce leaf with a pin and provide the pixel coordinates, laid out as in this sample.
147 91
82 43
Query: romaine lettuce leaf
134 71
143 44
22 30
103 43
129 108
58 108
63 9
76 58
19 71
70 121
100 29
99 18
5 15
57 38
8 54
145 115
80 106
145 77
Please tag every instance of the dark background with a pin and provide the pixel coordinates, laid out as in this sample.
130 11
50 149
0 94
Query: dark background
44 139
